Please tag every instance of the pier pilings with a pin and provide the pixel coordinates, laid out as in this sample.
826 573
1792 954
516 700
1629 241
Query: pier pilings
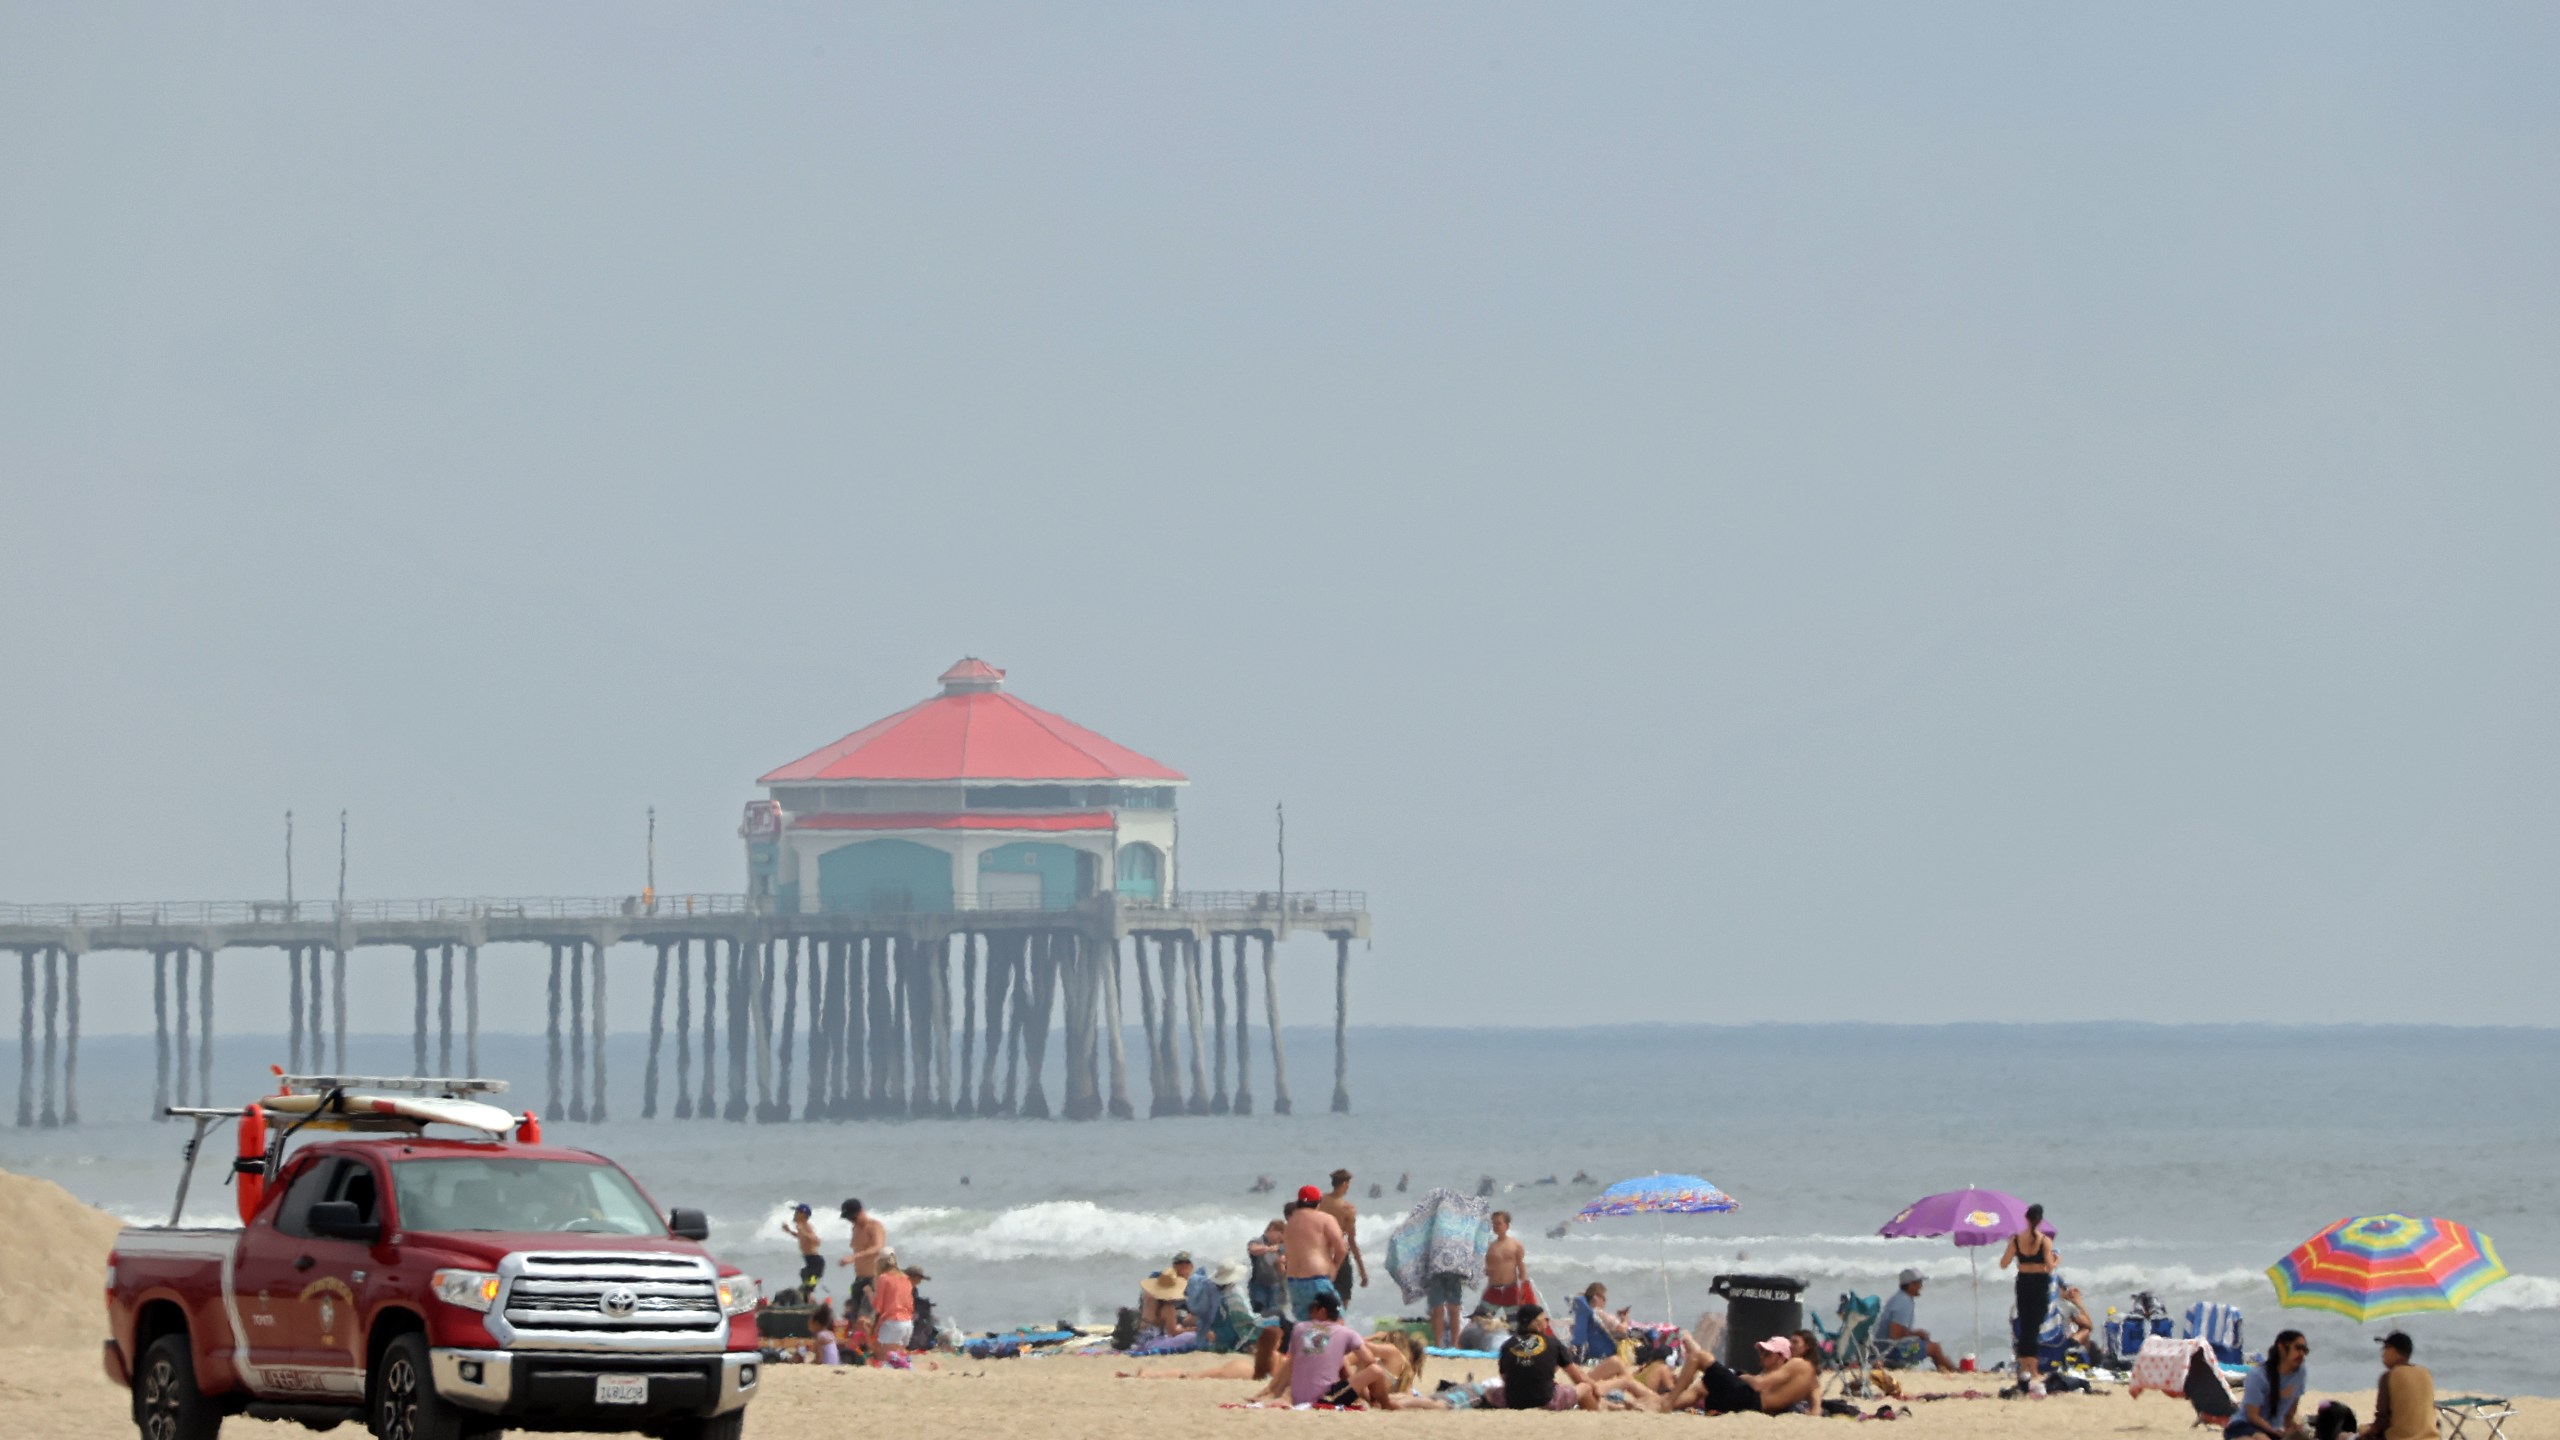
813 1017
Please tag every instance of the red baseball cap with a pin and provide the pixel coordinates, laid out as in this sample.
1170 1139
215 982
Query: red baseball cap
1308 1194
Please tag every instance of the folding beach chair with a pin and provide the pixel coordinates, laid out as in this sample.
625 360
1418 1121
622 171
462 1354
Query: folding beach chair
2458 1411
2217 1326
1591 1339
1854 1348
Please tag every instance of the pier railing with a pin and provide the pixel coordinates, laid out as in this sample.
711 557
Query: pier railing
329 912
1269 903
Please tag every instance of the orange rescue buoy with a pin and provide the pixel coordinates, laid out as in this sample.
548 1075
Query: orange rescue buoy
529 1129
249 1171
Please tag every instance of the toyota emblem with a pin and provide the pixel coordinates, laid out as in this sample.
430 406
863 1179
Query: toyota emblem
618 1302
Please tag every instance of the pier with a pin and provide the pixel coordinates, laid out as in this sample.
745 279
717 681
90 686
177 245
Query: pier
770 1014
933 901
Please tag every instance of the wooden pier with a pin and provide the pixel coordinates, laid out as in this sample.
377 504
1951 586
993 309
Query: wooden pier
874 1013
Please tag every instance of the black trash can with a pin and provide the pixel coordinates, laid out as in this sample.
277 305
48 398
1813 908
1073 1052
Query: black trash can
1755 1308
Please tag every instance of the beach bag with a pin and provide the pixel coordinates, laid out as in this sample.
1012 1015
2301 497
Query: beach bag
2333 1420
1124 1331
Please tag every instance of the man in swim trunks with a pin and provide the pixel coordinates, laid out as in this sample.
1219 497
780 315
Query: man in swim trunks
1506 1269
870 1243
1339 1206
1314 1249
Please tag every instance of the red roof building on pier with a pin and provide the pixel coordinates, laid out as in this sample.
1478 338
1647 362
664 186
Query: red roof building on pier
971 799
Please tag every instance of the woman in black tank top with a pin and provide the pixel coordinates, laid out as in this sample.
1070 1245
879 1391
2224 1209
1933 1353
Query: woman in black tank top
2031 1250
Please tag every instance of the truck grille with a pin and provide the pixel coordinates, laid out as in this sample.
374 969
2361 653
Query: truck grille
611 1300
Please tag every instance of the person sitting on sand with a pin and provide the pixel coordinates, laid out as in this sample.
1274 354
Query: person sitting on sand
1160 1313
1484 1331
1327 1362
1901 1337
2271 1402
1529 1362
1315 1249
1231 1324
1200 1294
2404 1405
1400 1354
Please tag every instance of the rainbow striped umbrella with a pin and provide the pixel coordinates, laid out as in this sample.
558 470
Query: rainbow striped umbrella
2370 1266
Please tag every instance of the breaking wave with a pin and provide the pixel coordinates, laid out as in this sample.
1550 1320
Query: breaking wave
1061 1230
2519 1292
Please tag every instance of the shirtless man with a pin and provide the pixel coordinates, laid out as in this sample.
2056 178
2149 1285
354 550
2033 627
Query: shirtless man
813 1266
1506 1269
1339 1206
1313 1250
870 1243
1785 1381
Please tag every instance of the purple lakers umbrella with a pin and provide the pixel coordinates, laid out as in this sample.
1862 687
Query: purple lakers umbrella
1975 1218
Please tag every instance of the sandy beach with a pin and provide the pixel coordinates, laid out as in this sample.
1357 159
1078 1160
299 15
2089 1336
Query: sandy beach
53 1249
59 1392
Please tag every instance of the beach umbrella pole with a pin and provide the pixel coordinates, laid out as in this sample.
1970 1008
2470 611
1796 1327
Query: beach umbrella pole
1974 1252
1662 1247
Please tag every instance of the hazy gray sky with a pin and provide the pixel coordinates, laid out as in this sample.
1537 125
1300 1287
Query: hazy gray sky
1706 512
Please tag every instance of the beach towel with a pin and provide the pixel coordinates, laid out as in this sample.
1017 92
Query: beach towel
2163 1365
1446 1233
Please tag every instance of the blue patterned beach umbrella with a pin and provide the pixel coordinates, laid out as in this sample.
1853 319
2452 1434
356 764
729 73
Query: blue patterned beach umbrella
1657 1196
1660 1195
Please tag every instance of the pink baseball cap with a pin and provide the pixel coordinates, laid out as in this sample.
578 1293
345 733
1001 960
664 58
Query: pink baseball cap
1778 1345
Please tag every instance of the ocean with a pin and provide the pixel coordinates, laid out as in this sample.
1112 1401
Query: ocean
2178 1160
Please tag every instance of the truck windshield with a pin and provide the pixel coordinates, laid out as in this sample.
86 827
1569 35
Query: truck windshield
485 1193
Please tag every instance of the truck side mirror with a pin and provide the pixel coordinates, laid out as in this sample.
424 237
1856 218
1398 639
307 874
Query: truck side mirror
341 1220
685 1224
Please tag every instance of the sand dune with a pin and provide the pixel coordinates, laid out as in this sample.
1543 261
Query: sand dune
53 1266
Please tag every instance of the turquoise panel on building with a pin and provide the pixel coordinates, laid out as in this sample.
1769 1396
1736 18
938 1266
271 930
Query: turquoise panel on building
1058 866
884 875
787 898
1140 870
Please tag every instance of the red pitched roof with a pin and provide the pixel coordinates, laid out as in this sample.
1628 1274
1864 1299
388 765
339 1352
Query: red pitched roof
953 820
973 731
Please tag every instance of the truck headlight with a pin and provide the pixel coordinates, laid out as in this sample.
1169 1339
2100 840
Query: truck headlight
470 1289
738 1295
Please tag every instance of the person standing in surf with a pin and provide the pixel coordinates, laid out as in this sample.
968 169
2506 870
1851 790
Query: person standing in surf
2031 1250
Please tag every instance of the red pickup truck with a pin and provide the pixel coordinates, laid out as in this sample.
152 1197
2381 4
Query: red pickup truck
432 1289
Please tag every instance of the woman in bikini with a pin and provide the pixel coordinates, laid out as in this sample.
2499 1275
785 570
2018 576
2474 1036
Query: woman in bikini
2031 1250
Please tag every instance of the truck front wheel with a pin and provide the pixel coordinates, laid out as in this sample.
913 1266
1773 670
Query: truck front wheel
166 1403
406 1405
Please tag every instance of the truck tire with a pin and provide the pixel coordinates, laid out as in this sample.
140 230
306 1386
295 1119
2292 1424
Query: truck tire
166 1403
732 1426
404 1403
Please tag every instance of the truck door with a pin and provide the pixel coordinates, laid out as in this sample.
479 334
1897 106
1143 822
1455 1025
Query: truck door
326 1335
276 1260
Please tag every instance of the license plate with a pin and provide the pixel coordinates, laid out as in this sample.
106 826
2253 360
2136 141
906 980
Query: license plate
622 1389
